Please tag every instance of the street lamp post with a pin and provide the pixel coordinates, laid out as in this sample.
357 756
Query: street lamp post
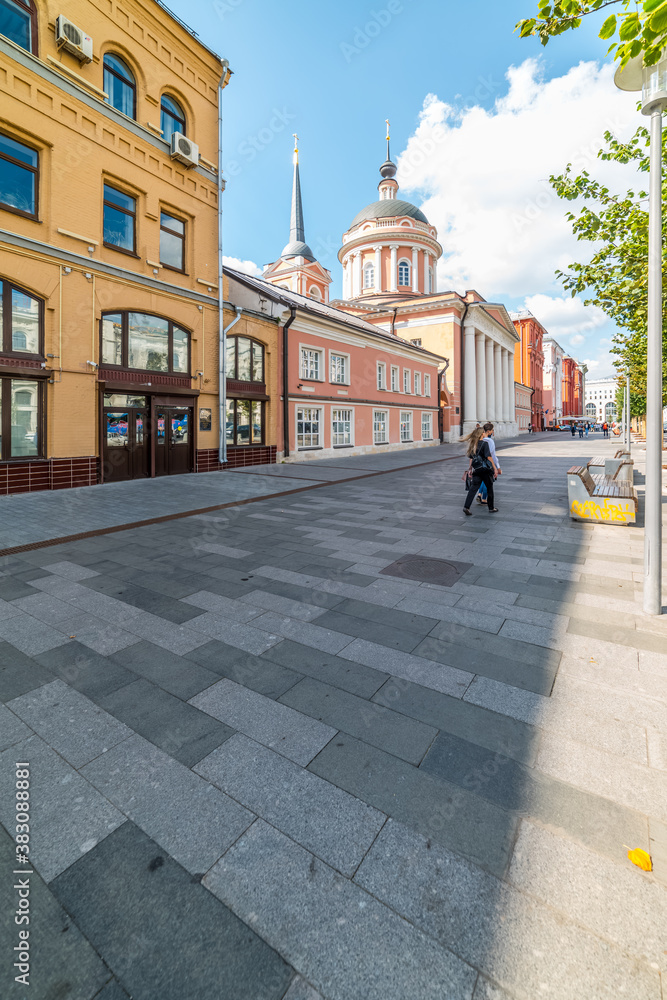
652 81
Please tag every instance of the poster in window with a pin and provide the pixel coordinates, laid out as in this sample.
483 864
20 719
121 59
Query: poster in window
205 419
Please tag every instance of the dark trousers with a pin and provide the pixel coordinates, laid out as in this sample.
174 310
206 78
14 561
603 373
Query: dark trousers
486 477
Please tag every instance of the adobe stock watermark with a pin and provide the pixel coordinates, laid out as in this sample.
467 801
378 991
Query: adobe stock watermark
364 34
224 7
250 147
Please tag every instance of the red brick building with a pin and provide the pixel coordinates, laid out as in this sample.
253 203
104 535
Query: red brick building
529 364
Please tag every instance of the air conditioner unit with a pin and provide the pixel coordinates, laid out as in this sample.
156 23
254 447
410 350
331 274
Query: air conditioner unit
69 37
184 150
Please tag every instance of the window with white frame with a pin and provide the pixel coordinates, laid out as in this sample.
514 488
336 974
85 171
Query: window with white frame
418 384
406 425
339 369
427 426
380 427
341 428
308 427
406 380
404 272
369 275
394 379
427 385
311 364
382 375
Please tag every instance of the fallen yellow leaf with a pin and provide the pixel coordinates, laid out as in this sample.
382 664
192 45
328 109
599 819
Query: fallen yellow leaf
641 859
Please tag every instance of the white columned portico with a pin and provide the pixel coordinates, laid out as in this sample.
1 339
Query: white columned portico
415 269
490 382
346 279
506 385
470 377
481 377
427 267
392 266
378 268
357 274
498 369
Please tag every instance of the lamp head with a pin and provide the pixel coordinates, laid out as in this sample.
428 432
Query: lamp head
650 80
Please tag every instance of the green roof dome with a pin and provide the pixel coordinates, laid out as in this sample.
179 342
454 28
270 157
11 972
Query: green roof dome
387 209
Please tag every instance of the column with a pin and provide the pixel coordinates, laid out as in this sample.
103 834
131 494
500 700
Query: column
415 269
427 264
378 269
356 290
392 266
512 392
506 385
498 369
346 280
481 377
490 382
470 377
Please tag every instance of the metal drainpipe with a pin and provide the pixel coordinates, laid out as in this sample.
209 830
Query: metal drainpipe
222 391
441 374
286 382
222 343
463 371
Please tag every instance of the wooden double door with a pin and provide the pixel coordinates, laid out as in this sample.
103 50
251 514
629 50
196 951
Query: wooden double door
143 436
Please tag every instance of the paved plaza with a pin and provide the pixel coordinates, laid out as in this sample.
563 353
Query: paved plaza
338 742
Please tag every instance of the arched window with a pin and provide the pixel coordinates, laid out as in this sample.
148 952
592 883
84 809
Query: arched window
144 342
245 359
315 293
403 272
610 410
172 117
369 275
18 22
119 85
591 409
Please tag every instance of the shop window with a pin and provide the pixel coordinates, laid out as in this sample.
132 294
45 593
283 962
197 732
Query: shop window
21 321
427 426
172 117
120 86
380 427
172 242
308 427
144 343
18 22
406 425
20 418
245 359
120 217
245 422
19 176
341 428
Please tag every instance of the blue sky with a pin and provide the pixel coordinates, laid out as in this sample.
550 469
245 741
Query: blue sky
333 73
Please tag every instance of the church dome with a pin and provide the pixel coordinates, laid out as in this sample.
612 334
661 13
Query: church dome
388 208
297 248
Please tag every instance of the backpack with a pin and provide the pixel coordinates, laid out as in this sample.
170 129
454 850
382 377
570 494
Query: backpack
479 463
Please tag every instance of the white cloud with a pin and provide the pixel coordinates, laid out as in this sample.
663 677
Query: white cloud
245 266
482 174
577 339
565 317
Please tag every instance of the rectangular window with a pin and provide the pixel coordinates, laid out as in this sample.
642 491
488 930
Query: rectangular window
339 369
120 212
380 432
427 426
20 321
19 177
406 380
341 428
172 242
308 433
427 385
148 342
406 425
418 384
311 364
20 417
394 379
381 375
245 422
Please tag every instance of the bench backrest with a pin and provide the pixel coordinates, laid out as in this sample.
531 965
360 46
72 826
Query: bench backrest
584 475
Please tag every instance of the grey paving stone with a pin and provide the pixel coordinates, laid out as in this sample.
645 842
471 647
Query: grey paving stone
224 550
246 637
394 638
8 609
358 679
95 634
169 671
335 826
235 611
134 902
11 588
520 943
458 615
69 722
371 722
257 672
317 598
29 635
44 607
538 677
68 816
324 639
146 600
12 730
113 991
189 818
419 669
71 570
276 726
312 916
176 638
19 673
85 670
618 634
481 725
174 726
282 605
300 990
441 810
63 964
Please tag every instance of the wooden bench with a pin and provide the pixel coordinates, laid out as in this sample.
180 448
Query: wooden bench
600 497
620 467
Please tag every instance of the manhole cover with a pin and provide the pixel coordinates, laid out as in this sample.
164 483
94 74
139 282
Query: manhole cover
427 570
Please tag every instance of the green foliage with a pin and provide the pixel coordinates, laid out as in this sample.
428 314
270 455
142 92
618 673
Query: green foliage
616 277
634 27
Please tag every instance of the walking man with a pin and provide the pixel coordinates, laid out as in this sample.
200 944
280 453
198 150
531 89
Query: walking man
488 430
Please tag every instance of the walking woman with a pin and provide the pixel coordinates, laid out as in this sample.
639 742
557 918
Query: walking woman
484 469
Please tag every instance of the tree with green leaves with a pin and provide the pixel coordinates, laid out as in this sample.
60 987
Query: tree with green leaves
633 26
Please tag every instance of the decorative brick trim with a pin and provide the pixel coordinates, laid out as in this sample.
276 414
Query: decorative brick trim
142 378
207 459
53 474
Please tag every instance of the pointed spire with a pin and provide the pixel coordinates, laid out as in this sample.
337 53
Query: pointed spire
388 154
388 168
297 246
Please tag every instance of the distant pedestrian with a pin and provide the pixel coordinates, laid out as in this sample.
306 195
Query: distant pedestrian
483 468
605 429
587 429
490 440
572 429
581 431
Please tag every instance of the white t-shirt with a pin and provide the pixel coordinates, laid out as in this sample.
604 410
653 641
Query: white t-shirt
492 446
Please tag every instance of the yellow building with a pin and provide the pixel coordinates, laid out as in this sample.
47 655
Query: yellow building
109 194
